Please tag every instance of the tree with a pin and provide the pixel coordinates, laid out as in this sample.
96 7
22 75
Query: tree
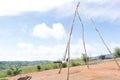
85 58
117 52
64 65
38 67
15 70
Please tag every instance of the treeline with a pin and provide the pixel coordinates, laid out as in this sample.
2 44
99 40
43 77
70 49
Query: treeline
7 64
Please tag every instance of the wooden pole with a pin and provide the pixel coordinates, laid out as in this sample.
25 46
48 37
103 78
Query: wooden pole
104 42
70 34
84 46
63 58
68 63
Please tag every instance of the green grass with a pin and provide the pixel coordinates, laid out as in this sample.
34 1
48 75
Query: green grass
3 74
45 66
50 65
29 69
76 62
3 79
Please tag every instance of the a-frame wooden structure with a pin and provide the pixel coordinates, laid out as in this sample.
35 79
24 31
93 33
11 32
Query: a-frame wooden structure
67 50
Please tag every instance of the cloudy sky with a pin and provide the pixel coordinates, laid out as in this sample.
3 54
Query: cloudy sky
38 29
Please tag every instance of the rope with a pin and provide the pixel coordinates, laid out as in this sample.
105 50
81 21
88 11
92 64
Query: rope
84 46
104 42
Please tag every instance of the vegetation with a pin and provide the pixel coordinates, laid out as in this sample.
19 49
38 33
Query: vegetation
15 70
3 79
3 74
38 67
117 52
7 64
77 62
85 57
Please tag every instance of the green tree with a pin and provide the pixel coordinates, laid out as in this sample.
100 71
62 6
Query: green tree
38 67
84 57
117 52
15 70
64 65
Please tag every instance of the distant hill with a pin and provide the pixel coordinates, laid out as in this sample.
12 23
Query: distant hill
7 64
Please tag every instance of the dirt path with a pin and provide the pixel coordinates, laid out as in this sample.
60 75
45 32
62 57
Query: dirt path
103 71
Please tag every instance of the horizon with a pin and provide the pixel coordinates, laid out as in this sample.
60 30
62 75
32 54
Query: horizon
38 30
55 60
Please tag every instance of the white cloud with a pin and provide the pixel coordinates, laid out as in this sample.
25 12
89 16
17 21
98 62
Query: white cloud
43 31
65 10
102 9
15 7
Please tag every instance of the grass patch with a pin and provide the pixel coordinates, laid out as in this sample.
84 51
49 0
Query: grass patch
3 79
29 69
3 74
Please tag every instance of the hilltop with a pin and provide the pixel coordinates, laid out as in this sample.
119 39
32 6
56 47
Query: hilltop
101 71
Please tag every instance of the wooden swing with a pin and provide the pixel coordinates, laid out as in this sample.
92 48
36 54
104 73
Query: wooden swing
67 50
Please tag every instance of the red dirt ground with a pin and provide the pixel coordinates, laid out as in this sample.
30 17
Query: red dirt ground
102 71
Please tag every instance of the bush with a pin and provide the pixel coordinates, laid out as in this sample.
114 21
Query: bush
64 65
15 70
47 66
117 52
9 72
85 58
75 63
55 66
38 67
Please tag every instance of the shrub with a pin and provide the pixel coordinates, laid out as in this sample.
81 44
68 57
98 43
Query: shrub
9 72
15 70
85 58
47 66
75 63
117 52
55 66
38 67
64 65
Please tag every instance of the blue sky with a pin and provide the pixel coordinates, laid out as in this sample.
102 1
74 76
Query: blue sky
38 29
